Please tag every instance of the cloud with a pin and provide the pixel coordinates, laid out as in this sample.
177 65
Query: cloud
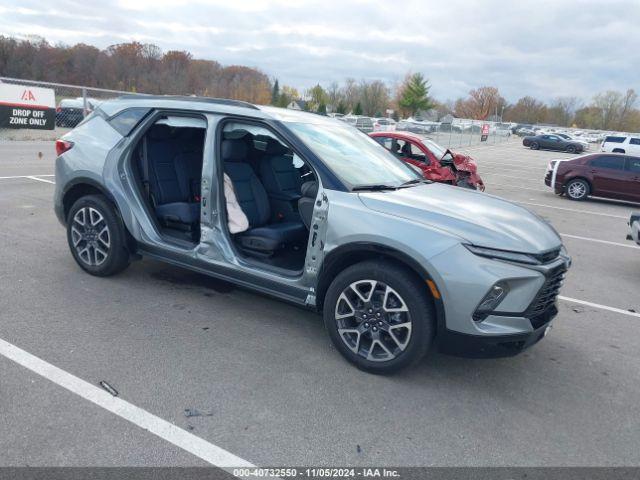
547 48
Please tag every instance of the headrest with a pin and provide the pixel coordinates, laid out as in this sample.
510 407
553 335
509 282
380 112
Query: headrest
237 134
309 189
274 147
160 132
234 150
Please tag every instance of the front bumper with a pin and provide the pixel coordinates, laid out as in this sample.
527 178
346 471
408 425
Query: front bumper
559 189
520 319
497 346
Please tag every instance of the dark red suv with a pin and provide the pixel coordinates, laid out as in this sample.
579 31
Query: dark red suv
610 175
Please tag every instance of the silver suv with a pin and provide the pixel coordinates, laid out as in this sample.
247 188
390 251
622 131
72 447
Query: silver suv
396 264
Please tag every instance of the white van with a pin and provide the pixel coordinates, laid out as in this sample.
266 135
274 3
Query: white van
621 144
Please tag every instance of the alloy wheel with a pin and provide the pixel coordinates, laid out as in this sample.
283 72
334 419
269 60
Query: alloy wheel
90 236
373 320
577 190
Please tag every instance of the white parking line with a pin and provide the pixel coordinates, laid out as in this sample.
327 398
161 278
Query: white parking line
167 431
602 307
487 164
586 212
606 242
517 187
519 177
31 177
24 176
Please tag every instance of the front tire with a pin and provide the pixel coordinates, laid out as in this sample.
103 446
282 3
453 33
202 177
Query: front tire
571 149
96 236
578 189
379 316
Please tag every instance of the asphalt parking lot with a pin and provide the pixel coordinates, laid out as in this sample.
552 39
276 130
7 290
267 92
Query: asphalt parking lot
269 386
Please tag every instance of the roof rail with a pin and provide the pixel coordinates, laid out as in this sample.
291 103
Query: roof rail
187 98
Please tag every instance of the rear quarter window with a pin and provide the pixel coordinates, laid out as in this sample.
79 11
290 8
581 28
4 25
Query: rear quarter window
634 141
125 121
614 139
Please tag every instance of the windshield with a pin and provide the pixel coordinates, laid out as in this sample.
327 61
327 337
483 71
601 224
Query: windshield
353 156
436 149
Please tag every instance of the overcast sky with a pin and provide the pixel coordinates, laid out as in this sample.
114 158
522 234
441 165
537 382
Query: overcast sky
545 48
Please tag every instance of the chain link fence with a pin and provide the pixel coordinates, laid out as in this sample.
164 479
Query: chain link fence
458 132
72 102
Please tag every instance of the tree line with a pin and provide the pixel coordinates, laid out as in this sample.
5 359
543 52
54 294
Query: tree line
131 67
609 110
141 67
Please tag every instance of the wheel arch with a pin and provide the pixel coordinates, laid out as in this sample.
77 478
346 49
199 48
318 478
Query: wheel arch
80 187
618 150
578 177
350 254
83 186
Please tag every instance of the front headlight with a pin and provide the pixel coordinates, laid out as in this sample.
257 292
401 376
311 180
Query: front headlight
516 257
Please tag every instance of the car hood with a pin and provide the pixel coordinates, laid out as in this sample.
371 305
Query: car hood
464 162
478 218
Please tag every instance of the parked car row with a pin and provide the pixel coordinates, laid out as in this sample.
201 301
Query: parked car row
569 134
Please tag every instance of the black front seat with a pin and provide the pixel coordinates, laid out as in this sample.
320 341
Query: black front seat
252 197
307 202
278 174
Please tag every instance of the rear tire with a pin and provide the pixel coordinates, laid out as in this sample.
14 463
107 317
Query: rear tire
97 237
534 146
578 189
379 316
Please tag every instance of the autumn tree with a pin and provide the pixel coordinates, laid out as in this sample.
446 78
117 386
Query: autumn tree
562 111
480 104
316 96
413 95
527 110
287 95
374 98
133 66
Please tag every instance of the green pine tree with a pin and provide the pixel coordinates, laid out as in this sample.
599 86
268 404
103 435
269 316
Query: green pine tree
414 95
275 93
358 109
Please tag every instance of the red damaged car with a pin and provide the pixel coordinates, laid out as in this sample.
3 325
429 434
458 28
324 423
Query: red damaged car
437 164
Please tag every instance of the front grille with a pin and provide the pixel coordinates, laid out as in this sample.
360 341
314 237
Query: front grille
546 298
549 256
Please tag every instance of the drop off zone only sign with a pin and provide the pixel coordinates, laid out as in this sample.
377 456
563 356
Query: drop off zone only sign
27 107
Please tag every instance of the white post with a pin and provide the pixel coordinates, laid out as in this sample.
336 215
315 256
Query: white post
85 106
